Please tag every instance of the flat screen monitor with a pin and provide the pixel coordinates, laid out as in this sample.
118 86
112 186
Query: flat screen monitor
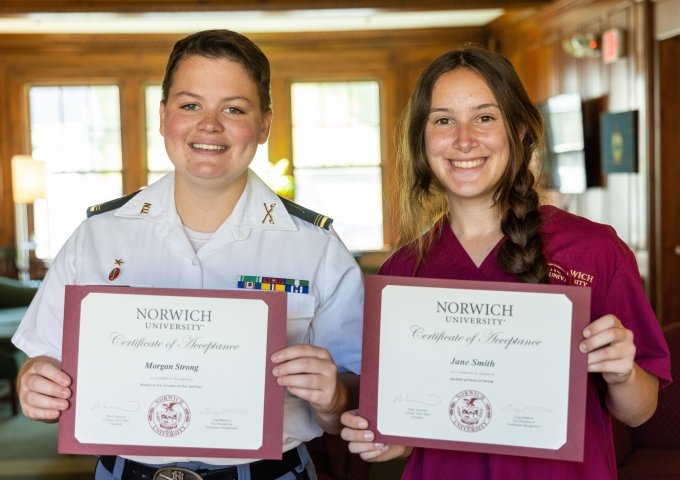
572 139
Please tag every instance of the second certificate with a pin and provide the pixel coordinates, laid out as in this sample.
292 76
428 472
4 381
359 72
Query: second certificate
487 367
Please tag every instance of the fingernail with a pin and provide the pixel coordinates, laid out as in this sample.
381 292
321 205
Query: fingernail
582 347
368 436
363 424
379 446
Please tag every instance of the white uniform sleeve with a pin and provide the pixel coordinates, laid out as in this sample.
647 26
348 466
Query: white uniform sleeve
41 329
337 324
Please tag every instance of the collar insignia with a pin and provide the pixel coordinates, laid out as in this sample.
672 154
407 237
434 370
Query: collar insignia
268 213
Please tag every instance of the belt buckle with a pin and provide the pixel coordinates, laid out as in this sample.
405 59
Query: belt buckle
176 473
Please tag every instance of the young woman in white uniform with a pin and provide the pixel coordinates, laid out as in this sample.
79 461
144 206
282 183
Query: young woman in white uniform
206 226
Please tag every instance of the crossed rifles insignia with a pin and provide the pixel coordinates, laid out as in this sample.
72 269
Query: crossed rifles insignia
268 213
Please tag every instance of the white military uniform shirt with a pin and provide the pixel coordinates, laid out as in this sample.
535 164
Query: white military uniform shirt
260 238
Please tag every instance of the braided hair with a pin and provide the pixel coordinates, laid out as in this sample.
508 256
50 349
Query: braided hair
422 199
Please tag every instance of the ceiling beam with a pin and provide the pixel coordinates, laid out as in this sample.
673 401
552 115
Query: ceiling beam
130 6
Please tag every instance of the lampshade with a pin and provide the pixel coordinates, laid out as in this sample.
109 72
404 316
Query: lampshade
28 179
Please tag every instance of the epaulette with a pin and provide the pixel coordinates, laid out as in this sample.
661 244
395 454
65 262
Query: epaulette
292 208
308 215
110 205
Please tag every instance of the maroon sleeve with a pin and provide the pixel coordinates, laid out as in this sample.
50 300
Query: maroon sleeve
626 299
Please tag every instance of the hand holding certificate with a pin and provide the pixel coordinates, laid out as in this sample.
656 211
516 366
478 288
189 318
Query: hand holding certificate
488 367
181 372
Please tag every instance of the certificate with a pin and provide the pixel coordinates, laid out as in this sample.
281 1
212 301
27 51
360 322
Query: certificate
172 372
475 366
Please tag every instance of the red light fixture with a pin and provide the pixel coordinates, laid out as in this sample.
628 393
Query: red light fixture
582 45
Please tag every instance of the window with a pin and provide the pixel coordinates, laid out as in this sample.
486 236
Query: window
75 130
336 146
157 161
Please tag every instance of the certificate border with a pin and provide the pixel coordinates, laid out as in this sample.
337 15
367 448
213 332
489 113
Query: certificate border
578 369
272 435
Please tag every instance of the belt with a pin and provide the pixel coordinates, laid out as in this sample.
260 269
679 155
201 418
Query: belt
260 470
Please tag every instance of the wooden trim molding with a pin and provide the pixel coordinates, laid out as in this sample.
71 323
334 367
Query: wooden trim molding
124 6
666 19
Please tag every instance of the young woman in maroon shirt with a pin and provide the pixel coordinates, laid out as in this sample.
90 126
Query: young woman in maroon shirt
468 137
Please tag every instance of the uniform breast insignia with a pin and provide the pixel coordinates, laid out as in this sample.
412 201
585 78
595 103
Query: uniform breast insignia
268 213
308 215
276 284
115 273
110 205
145 208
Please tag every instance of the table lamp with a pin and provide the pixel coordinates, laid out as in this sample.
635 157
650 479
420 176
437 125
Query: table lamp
28 184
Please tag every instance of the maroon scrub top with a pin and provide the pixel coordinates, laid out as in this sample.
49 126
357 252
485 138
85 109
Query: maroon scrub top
580 252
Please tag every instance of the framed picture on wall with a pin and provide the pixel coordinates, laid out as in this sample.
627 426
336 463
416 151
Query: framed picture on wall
619 141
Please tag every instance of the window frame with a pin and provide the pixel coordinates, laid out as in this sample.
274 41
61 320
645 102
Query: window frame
282 122
343 79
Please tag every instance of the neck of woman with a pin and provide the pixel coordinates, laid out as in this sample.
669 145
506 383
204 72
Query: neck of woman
205 209
477 228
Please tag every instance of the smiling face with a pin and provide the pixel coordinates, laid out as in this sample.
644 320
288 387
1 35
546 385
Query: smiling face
465 138
212 123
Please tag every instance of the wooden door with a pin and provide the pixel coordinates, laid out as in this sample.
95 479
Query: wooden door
668 181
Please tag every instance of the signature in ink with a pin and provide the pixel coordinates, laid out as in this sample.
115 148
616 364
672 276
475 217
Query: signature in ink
525 409
429 400
125 406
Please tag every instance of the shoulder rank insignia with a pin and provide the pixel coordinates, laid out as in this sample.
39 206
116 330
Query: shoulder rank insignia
110 205
306 214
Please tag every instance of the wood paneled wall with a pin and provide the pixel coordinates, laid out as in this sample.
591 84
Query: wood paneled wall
534 44
665 265
394 58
